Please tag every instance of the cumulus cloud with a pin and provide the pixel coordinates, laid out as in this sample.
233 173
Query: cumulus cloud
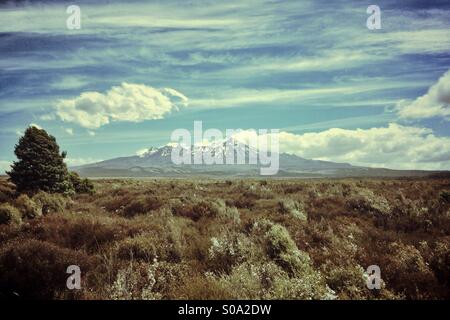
69 131
127 102
435 103
395 146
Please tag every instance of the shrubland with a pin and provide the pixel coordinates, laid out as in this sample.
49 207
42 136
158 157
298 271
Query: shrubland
233 239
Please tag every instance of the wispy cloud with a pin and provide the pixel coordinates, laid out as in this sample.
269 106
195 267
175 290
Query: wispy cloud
301 65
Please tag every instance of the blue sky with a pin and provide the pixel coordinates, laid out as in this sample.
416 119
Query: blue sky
137 70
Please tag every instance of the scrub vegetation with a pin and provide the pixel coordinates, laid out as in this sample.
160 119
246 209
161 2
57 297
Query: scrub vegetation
229 239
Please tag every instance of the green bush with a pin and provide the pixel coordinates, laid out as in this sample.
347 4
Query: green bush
268 281
292 208
148 247
282 249
50 203
227 251
28 207
9 215
135 282
81 185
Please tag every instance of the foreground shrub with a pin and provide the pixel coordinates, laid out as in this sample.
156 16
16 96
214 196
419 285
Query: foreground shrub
135 282
6 191
445 196
147 247
37 270
406 271
283 251
348 281
440 263
270 281
227 251
28 207
9 215
50 203
142 205
87 232
199 287
293 208
199 209
281 248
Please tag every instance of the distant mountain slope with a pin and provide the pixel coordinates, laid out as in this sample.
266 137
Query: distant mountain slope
156 162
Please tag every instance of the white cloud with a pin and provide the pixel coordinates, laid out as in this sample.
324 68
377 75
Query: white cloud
91 133
395 146
73 162
4 166
35 125
435 103
127 102
69 131
142 152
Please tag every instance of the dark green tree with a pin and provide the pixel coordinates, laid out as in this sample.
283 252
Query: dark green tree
81 185
40 164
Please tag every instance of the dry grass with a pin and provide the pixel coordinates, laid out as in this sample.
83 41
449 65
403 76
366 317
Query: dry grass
239 239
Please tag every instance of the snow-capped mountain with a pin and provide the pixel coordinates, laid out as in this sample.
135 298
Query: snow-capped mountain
155 162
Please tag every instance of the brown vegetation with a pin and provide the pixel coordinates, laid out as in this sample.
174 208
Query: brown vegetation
250 239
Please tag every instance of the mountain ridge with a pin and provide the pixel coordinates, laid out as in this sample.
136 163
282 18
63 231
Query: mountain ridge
157 162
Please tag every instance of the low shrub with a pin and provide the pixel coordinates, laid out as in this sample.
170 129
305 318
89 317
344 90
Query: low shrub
445 196
405 270
50 202
269 281
142 205
282 249
81 185
88 232
28 207
348 281
226 251
293 208
201 287
135 282
199 209
7 191
35 269
9 215
148 247
244 202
